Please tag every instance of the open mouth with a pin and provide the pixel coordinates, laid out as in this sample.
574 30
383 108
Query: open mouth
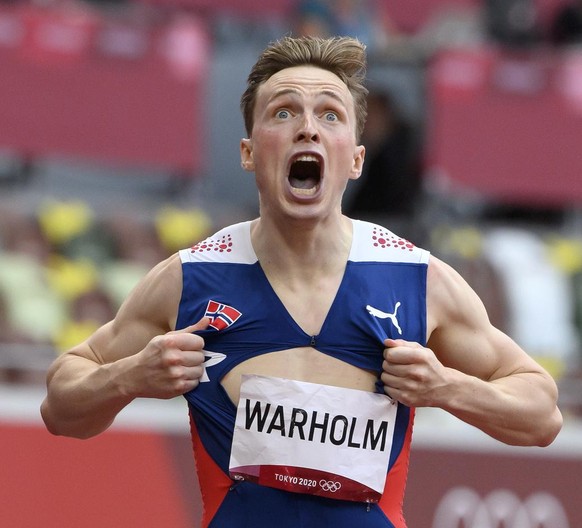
305 174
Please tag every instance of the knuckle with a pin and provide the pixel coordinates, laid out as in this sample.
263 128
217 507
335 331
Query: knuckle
176 373
163 340
169 360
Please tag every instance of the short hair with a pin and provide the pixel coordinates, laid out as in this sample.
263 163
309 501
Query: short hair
343 56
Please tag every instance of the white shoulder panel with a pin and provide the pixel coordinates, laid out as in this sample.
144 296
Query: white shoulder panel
372 242
231 244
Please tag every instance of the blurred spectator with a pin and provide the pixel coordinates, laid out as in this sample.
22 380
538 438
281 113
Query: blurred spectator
23 235
450 26
181 228
566 255
372 23
135 240
513 22
464 248
10 371
390 184
88 311
33 309
367 20
73 231
313 18
69 278
29 311
136 249
537 282
566 27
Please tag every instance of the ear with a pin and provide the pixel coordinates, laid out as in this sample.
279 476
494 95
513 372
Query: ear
358 163
246 155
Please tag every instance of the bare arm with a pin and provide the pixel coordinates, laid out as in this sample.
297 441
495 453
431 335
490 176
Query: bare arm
471 369
135 355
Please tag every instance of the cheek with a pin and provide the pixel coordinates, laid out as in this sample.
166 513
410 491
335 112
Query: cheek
266 134
268 145
345 150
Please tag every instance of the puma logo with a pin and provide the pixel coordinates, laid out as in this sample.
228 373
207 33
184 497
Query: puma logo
384 315
213 358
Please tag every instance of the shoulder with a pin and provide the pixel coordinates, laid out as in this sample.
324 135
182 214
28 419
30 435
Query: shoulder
230 244
156 296
450 299
148 311
374 242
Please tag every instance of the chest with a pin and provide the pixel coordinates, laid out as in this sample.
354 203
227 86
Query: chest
250 318
308 303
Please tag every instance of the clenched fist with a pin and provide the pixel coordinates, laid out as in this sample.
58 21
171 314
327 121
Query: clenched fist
412 374
169 365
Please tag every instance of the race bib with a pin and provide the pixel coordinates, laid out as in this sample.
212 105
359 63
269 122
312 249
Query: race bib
310 438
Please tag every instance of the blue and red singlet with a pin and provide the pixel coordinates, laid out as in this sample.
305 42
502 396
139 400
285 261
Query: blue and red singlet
382 294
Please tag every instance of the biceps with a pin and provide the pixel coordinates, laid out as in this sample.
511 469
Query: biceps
486 352
116 340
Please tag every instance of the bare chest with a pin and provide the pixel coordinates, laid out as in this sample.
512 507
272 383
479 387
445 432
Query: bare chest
308 303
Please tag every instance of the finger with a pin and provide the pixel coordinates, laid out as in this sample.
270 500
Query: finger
181 341
397 355
190 373
389 389
389 379
387 365
394 369
404 353
187 380
192 359
392 343
395 386
200 325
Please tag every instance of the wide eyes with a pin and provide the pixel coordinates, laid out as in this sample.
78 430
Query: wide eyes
326 116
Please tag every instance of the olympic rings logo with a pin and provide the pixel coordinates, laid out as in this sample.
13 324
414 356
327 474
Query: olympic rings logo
330 485
499 508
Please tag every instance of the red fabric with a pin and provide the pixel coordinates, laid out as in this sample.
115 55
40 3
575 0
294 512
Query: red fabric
214 484
393 497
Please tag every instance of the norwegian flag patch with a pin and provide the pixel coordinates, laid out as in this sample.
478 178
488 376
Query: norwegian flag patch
221 315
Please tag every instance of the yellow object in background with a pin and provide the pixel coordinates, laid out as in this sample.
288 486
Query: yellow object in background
179 228
71 278
566 254
63 221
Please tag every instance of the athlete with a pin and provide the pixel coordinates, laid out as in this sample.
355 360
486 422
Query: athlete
303 340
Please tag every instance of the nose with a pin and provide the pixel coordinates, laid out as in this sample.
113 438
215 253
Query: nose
307 129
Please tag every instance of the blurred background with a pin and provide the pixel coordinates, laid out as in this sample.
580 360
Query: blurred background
119 134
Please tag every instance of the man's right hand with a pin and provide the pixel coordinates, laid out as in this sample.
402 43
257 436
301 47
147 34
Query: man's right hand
170 364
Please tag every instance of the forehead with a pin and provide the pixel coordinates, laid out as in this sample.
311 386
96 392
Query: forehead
305 80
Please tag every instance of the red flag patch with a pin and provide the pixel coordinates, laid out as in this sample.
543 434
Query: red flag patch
221 315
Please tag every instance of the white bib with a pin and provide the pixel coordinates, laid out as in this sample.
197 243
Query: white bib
311 438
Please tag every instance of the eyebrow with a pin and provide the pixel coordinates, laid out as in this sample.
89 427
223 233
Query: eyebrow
294 91
283 91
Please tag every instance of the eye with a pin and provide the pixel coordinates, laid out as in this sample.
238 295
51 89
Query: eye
330 116
282 114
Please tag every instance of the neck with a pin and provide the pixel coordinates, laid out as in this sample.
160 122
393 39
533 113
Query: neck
303 247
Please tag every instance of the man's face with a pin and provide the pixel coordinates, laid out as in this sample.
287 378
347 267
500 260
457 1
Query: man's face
303 149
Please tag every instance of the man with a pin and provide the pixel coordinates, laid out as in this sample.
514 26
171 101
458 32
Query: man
326 332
